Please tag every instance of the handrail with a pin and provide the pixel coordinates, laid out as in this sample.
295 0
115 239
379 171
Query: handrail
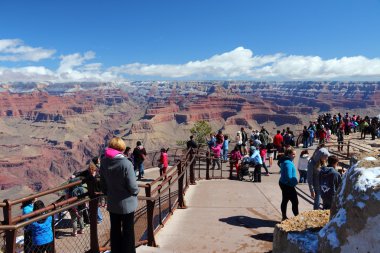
360 147
25 223
53 190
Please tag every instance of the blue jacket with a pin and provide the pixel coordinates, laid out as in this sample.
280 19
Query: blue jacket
27 209
42 233
225 144
255 158
288 173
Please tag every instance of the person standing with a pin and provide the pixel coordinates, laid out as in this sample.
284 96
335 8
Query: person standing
191 143
270 151
164 162
340 139
139 154
256 160
302 166
278 141
244 139
216 159
288 182
239 141
317 161
225 148
119 184
329 179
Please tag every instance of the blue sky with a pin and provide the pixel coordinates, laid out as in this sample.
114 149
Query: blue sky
178 39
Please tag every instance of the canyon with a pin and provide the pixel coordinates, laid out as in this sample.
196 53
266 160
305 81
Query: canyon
50 130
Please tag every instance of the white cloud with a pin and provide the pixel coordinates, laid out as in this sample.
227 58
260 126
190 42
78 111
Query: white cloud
239 63
15 50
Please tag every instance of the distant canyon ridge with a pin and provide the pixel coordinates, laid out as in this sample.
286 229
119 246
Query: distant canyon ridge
50 130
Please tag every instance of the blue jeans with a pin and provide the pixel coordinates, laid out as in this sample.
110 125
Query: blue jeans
311 140
303 176
140 168
225 154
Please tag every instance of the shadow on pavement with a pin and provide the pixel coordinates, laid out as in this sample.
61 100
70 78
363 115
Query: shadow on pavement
248 222
264 237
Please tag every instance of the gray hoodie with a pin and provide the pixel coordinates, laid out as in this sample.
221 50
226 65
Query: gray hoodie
314 167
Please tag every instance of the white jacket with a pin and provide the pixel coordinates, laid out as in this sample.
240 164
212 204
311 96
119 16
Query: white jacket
302 163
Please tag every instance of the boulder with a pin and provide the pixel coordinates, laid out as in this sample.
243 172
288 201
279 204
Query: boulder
355 214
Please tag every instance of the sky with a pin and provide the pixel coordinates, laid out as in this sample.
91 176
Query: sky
93 40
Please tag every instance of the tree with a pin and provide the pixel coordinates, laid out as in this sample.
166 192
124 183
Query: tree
200 131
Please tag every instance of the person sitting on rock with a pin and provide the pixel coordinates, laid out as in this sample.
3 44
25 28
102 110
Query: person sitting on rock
329 181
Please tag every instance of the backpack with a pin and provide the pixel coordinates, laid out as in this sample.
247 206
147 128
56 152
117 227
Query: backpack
77 191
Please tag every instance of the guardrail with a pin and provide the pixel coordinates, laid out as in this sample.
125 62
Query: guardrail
162 197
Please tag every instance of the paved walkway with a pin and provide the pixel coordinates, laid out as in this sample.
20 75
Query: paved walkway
226 216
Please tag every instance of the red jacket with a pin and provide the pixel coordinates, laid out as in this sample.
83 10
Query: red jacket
278 140
164 160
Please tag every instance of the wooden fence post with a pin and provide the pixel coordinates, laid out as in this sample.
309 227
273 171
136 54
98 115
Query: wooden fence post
150 213
231 169
192 165
93 208
181 200
208 166
10 235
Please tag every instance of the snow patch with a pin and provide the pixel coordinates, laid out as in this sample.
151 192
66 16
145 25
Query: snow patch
370 158
308 241
361 205
340 217
369 178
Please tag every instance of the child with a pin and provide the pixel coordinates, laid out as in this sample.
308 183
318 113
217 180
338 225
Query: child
302 166
42 232
329 181
164 163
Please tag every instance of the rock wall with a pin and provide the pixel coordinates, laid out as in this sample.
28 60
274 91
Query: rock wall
355 214
354 218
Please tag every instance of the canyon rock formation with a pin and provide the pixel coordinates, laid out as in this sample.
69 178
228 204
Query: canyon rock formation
49 130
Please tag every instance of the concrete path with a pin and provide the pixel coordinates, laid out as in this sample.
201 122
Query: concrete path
226 216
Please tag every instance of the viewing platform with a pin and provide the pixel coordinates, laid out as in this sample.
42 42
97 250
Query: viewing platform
195 209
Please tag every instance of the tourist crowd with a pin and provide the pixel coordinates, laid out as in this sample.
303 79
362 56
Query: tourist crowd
118 168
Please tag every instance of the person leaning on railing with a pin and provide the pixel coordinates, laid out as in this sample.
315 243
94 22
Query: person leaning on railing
42 232
118 181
